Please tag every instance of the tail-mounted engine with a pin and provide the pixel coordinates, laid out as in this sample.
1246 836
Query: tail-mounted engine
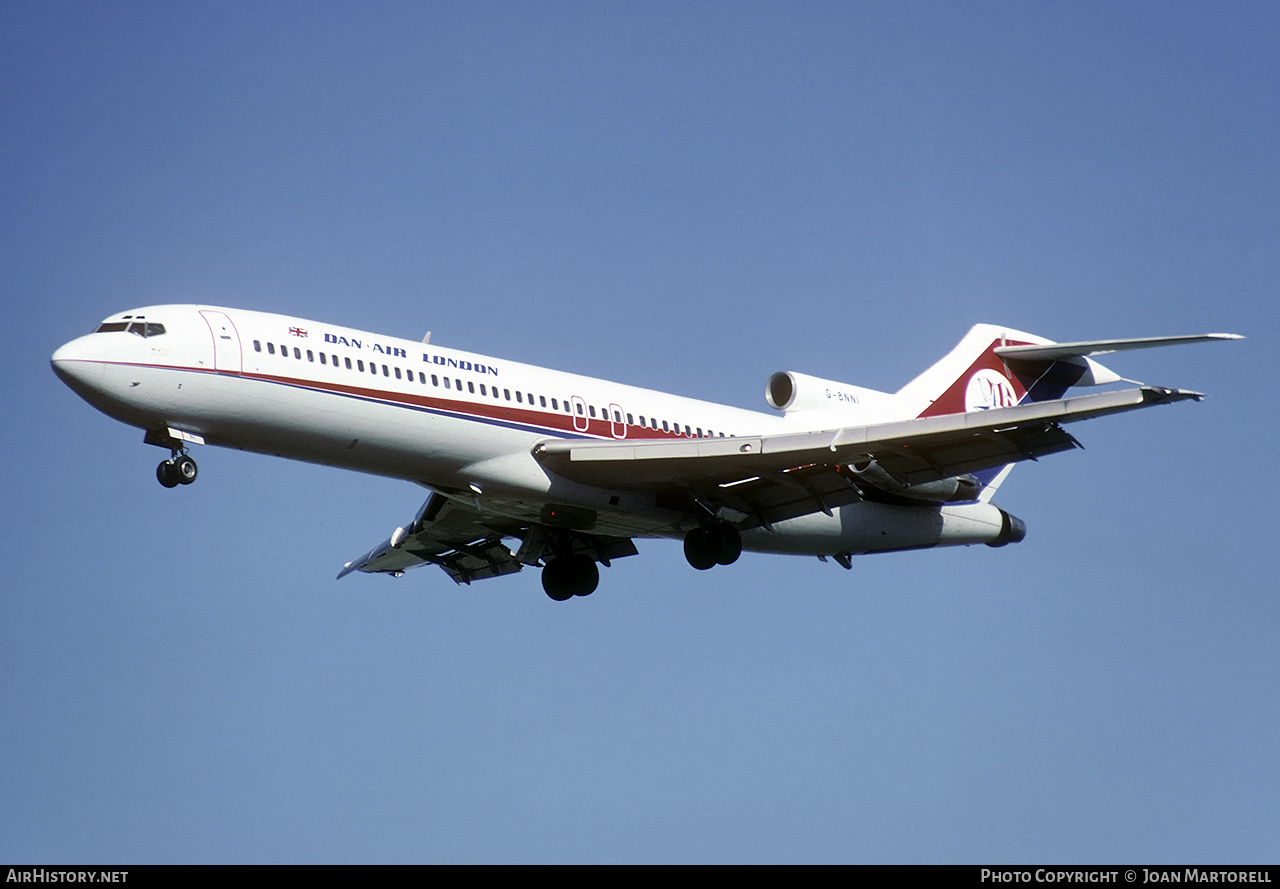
790 392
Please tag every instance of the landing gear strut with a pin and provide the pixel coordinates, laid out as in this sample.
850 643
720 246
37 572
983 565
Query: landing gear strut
570 575
715 544
179 469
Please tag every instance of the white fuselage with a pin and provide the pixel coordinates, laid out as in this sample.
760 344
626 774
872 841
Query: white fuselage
460 423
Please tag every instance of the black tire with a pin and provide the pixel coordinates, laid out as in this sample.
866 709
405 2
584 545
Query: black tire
726 543
698 550
167 474
185 469
556 581
586 575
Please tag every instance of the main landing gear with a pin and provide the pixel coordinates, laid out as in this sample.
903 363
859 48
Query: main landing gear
717 543
179 469
570 575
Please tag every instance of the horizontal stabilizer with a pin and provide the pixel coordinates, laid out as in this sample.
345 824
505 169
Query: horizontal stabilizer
1059 351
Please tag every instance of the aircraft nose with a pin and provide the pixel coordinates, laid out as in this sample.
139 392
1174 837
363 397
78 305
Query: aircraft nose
74 365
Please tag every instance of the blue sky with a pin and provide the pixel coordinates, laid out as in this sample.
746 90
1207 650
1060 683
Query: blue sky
687 197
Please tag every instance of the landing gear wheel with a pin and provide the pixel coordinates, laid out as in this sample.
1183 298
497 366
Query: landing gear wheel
586 575
186 469
726 543
167 474
698 549
570 576
555 581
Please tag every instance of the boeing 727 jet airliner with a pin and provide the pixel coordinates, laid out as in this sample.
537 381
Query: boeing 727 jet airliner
572 469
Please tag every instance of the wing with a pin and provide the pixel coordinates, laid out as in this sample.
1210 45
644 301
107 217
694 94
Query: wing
468 544
780 476
457 537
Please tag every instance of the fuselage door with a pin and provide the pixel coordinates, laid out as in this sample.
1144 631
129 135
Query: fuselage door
226 342
580 421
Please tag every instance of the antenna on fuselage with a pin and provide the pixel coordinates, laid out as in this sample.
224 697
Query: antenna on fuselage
426 339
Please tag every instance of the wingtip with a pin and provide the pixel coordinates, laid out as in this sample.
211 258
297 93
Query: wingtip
1159 394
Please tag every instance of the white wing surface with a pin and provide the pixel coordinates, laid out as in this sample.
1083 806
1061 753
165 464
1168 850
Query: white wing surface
780 476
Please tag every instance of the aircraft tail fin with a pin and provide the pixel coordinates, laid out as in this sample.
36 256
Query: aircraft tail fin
972 376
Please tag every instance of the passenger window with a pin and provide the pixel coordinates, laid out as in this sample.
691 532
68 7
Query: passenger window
506 393
665 428
519 400
257 346
592 408
271 348
542 400
348 361
555 405
397 373
311 357
483 391
297 353
360 365
435 381
471 387
446 383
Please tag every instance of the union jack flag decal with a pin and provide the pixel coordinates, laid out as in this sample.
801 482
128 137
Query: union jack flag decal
297 331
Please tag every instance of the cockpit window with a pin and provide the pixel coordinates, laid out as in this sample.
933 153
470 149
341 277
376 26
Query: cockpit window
139 326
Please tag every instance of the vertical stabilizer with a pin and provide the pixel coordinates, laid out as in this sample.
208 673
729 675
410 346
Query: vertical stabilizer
972 377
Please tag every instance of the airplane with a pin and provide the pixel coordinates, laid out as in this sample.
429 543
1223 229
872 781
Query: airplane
574 469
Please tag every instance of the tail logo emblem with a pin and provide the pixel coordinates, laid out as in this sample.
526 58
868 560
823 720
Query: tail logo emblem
988 389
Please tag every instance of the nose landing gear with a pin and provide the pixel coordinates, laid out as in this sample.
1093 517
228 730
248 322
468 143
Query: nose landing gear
179 469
